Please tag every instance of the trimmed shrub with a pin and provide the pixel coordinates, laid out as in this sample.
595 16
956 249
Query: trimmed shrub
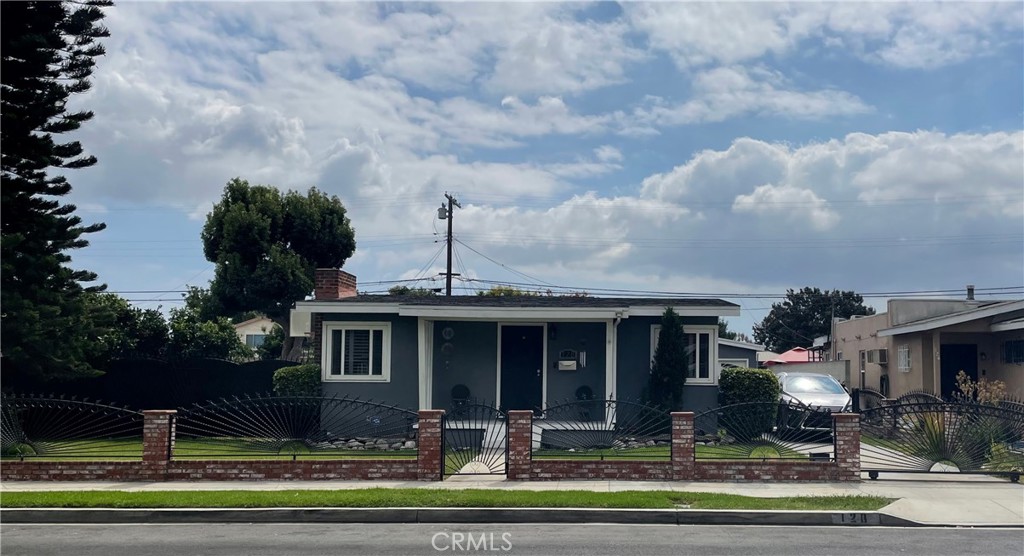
757 387
300 380
748 385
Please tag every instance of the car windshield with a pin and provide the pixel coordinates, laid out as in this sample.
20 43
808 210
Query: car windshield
813 384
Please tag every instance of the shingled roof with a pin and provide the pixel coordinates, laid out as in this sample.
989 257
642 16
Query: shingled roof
540 301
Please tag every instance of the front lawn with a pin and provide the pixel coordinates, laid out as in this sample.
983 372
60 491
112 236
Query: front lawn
431 498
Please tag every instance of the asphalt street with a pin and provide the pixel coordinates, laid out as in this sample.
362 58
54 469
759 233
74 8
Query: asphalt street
555 540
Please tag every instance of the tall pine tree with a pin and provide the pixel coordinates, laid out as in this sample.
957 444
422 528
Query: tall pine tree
48 52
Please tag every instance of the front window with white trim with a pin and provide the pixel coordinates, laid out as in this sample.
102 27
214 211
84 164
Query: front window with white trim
903 352
701 349
357 351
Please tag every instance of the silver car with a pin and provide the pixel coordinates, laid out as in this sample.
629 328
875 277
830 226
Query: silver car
815 390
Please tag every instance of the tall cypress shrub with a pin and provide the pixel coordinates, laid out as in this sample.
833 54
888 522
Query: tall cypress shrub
668 372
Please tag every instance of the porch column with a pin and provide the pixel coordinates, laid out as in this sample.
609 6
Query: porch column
424 352
682 446
610 368
847 445
430 444
520 444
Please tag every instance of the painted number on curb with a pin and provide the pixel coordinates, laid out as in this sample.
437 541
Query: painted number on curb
855 519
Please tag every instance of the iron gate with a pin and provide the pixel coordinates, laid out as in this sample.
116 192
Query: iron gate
475 440
921 435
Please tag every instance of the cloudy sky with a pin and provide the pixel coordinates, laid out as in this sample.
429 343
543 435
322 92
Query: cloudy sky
676 147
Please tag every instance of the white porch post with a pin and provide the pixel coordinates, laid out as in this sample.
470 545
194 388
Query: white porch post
424 351
610 366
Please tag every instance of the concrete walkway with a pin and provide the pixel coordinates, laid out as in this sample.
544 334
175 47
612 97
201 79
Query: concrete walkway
939 500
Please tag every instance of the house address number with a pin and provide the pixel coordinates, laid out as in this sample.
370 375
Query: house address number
855 518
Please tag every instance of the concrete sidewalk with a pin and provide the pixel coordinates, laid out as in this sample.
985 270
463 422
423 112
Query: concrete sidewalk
932 500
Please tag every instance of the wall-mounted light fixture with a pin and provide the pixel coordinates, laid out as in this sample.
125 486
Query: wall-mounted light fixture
982 356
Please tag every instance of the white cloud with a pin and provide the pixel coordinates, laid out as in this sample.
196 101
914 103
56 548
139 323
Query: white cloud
902 34
608 153
789 204
728 92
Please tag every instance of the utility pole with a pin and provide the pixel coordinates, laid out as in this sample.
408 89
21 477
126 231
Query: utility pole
448 214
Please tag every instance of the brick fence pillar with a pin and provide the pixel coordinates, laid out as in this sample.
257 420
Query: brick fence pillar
158 435
430 444
847 445
520 444
682 446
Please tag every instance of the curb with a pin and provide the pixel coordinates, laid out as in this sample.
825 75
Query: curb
456 515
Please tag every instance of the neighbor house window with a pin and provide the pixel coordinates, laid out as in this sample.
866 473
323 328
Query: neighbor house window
701 349
255 340
1013 351
904 358
357 352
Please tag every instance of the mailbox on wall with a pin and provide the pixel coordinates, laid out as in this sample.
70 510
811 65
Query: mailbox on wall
567 360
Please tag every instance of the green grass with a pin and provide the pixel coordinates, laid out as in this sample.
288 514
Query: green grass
430 498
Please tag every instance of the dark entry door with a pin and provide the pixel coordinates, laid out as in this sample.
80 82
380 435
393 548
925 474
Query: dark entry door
522 367
954 358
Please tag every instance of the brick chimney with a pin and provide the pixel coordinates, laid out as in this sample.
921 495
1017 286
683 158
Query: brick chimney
333 283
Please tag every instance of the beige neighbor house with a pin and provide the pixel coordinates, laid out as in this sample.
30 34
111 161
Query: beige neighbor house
253 332
921 344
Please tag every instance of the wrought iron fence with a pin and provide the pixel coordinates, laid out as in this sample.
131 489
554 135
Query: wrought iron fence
475 440
764 431
291 427
54 427
602 429
929 436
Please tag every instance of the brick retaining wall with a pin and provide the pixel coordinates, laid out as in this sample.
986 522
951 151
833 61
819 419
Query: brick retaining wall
553 470
221 470
775 471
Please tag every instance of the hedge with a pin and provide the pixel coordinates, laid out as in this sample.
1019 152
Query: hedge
748 385
300 380
758 387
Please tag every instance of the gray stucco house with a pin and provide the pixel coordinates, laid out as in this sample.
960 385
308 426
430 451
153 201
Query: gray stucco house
520 352
734 353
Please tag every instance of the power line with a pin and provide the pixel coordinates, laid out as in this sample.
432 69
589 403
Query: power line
503 265
1006 290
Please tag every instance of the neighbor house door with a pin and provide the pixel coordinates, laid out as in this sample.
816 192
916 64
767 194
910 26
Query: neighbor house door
954 358
522 367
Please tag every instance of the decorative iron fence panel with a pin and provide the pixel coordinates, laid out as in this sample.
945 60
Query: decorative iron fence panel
53 427
915 434
475 440
602 429
292 427
764 431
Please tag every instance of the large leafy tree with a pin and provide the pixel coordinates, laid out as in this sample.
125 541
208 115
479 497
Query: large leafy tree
669 368
47 54
724 332
805 315
267 244
130 331
195 337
